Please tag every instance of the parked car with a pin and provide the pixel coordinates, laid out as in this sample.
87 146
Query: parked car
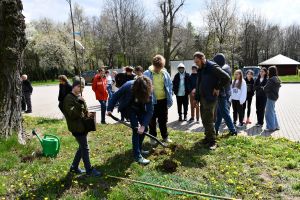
255 69
89 76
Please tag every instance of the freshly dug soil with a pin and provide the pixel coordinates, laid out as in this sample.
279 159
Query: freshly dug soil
175 147
169 166
158 152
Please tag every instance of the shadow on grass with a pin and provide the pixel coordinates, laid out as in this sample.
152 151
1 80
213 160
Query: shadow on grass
192 157
48 121
96 186
185 126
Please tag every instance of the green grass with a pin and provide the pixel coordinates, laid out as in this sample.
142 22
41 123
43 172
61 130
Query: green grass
242 167
291 78
45 83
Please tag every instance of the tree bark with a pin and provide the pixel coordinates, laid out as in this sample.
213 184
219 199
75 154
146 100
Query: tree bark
12 44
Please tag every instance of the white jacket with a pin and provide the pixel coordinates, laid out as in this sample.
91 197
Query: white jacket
239 94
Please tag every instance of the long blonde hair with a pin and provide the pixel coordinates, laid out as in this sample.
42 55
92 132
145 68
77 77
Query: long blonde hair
239 84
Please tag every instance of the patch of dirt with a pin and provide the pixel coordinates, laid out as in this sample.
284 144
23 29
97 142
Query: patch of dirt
169 166
175 147
158 152
32 157
265 177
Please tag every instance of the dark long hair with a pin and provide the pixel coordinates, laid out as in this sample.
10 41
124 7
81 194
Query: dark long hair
142 89
272 71
266 71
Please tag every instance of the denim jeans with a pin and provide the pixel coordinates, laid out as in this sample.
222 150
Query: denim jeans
82 152
137 139
103 110
109 90
223 112
271 116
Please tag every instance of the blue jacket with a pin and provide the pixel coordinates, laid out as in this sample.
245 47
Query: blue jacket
168 85
226 91
210 77
124 97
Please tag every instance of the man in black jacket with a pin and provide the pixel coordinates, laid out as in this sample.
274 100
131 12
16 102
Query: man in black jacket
182 89
26 94
211 78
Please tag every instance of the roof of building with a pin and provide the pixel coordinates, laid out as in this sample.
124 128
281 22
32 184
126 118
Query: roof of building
279 60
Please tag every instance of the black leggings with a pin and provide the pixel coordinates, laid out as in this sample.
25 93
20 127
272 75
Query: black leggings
237 111
248 102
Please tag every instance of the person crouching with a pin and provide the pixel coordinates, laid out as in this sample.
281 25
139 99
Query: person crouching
136 104
75 110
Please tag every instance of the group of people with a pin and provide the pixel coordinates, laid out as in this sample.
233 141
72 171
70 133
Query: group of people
144 98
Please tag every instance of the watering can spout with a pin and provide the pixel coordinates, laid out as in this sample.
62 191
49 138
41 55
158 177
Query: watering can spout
34 133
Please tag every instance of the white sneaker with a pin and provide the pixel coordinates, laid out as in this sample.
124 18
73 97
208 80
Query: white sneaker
167 140
143 161
153 142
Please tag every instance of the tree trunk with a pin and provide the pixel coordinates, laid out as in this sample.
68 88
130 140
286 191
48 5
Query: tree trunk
12 44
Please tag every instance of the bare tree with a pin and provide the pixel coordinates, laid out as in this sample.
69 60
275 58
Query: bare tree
169 10
128 18
221 19
12 44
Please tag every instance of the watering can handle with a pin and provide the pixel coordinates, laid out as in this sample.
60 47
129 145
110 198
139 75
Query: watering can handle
53 136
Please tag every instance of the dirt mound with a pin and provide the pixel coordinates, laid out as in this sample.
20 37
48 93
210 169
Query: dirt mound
175 147
32 157
169 165
158 152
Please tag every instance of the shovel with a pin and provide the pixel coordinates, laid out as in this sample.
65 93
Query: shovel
147 134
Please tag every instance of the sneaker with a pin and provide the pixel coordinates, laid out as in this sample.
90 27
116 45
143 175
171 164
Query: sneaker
143 161
258 125
233 133
212 145
145 152
77 170
185 118
153 142
94 172
241 125
277 129
180 119
167 140
28 111
191 120
248 121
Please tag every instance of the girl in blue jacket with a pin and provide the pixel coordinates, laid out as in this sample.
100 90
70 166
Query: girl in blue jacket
135 103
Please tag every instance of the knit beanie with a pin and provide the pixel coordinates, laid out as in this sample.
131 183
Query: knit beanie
219 59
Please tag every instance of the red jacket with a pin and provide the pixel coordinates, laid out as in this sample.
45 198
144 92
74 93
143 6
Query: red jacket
100 87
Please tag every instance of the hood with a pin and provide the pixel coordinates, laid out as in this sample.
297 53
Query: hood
219 59
181 65
151 69
275 80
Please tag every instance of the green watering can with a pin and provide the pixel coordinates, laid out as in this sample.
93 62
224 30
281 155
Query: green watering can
50 144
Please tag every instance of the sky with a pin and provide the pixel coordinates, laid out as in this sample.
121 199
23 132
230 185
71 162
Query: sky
282 12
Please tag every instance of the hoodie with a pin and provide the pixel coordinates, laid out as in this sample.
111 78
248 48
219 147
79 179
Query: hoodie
167 84
272 88
239 94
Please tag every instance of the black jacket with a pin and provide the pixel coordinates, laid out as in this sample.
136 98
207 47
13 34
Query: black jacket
250 87
258 87
210 77
64 89
26 86
187 83
122 78
193 78
272 88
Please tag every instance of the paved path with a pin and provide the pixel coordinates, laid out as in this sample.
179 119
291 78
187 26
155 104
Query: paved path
44 100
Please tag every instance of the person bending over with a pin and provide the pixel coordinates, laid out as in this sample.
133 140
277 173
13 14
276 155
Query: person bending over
136 104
